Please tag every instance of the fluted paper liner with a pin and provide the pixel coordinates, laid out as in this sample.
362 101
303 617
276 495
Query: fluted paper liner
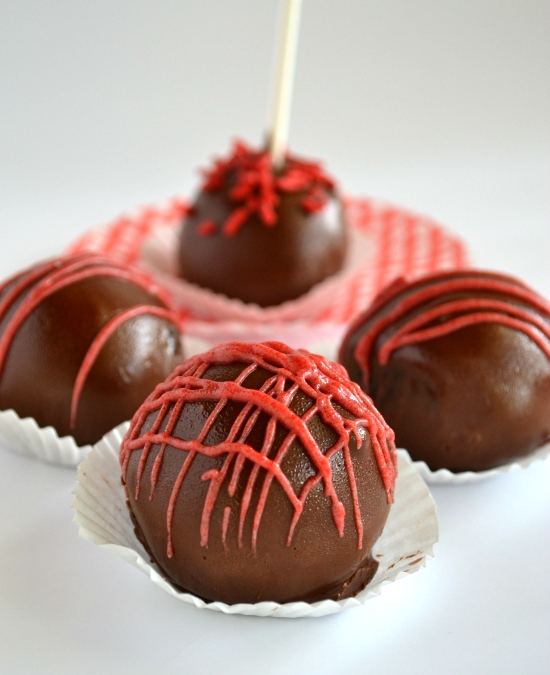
447 477
102 515
25 437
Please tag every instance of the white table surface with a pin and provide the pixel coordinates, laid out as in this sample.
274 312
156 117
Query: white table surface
441 107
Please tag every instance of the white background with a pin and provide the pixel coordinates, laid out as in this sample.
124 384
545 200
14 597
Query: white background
443 107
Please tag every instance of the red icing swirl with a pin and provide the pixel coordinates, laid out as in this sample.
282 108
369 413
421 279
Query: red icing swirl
325 382
254 188
442 303
23 293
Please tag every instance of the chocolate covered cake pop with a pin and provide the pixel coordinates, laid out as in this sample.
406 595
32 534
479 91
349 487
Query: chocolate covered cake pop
257 472
83 341
459 365
260 235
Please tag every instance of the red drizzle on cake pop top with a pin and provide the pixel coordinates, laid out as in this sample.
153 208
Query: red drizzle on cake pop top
461 306
254 186
24 292
325 382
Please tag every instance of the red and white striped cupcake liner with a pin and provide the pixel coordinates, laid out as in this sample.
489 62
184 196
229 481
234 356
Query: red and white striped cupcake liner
387 242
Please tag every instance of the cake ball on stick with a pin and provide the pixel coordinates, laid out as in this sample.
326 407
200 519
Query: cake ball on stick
266 226
260 236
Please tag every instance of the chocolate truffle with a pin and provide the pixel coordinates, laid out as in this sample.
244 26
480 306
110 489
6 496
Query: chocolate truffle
257 472
83 340
263 236
459 365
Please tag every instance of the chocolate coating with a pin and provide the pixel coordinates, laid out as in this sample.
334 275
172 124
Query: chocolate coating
83 357
287 242
197 501
459 365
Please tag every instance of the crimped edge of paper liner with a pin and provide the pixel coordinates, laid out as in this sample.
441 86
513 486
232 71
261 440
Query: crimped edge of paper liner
102 516
447 477
24 437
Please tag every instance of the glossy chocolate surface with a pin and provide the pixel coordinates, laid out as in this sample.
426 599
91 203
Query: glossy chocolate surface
276 253
458 364
83 358
237 499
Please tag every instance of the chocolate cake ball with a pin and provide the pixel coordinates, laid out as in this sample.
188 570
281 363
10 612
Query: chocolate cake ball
260 236
83 341
459 365
256 472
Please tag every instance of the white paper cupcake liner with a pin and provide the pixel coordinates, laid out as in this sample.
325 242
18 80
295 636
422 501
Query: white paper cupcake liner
25 437
446 477
103 518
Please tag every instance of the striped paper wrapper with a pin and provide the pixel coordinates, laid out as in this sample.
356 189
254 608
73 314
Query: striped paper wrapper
386 242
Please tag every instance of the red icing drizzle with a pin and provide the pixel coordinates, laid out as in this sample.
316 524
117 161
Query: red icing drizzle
38 283
206 228
438 320
255 188
99 342
325 382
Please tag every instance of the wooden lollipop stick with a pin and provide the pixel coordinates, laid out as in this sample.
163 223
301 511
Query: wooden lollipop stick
285 77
